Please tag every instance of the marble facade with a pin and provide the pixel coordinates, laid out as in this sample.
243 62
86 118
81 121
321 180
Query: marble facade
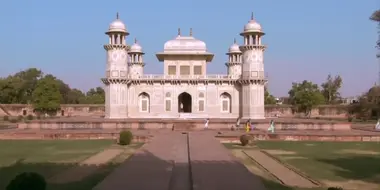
184 90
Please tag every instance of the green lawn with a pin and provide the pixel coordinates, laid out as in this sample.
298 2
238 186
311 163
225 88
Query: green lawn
48 157
357 163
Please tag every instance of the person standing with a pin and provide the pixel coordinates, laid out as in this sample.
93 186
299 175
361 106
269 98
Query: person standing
248 126
271 127
238 123
206 123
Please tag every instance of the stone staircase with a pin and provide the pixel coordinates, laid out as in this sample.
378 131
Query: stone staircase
184 127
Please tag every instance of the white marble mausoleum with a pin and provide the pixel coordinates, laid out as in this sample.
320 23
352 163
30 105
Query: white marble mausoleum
184 90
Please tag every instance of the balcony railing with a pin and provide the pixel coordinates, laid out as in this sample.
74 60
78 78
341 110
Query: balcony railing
183 77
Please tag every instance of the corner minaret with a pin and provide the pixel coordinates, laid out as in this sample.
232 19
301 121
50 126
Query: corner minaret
253 77
136 63
234 60
116 93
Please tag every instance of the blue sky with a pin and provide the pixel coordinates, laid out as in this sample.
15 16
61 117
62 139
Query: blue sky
305 39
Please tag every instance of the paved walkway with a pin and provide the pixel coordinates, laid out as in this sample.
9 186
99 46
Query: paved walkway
214 168
283 173
163 164
152 166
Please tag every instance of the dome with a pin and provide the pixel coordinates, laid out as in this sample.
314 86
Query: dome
136 48
185 43
117 26
234 48
374 91
252 26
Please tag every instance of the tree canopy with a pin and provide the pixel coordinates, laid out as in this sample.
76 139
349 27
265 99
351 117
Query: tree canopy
330 89
305 96
44 91
269 98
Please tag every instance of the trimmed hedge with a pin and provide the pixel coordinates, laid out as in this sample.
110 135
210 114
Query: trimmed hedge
125 137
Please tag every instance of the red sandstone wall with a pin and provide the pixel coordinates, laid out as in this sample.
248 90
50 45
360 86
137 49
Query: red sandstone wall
327 111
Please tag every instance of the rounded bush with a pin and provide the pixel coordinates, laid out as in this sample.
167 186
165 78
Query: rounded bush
334 188
6 118
29 117
20 117
27 180
244 140
125 137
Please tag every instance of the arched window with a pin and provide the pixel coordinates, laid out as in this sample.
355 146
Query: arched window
201 102
144 102
225 102
168 101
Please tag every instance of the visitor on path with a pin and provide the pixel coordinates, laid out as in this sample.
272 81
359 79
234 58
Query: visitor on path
252 126
206 123
248 126
238 123
271 127
377 127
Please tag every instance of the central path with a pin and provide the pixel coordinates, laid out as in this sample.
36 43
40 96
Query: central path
153 166
175 161
214 168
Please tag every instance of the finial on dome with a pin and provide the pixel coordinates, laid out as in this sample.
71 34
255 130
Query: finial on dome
117 15
179 31
252 16
191 31
234 40
135 40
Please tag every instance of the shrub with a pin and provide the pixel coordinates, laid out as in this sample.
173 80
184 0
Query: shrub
125 137
13 120
334 188
244 140
350 118
20 117
27 180
6 118
30 117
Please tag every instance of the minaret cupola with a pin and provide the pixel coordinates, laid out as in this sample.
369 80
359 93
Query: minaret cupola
252 33
136 63
234 60
117 32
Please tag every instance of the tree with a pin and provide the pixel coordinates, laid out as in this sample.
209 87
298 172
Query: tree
95 96
19 89
305 96
368 105
269 99
75 96
46 96
11 90
29 80
330 89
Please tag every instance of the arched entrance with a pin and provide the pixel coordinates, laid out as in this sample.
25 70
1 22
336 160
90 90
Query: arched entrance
184 103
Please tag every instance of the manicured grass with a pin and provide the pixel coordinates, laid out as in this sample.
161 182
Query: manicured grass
357 163
337 161
47 157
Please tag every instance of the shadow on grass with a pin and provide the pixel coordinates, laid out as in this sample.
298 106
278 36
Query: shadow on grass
83 178
365 168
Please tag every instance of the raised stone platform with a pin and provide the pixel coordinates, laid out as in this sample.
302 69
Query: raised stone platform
215 123
222 135
303 135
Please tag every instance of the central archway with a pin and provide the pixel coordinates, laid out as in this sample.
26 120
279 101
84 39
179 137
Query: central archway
184 103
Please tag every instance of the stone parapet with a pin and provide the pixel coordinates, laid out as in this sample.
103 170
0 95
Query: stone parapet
192 124
323 111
